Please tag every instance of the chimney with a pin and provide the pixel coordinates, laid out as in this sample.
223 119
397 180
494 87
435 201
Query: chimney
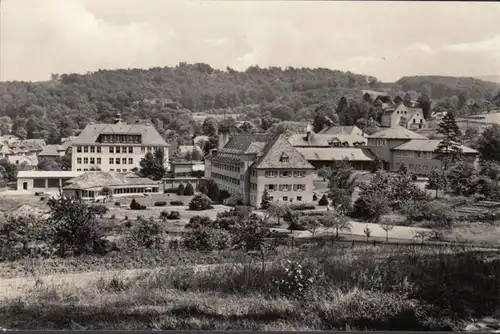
308 133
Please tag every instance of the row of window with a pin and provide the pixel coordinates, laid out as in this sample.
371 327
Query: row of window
413 155
285 173
121 139
285 187
378 142
113 149
226 178
287 198
111 170
415 167
97 161
231 168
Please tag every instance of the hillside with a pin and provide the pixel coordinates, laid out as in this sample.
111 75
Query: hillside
493 78
169 96
443 86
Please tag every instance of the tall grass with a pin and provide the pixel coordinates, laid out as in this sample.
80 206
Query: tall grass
374 288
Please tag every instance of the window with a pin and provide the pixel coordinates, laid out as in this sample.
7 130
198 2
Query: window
79 149
124 170
98 149
117 161
271 198
79 170
271 173
85 169
285 198
111 161
271 187
92 149
85 160
98 161
111 170
299 173
85 149
284 187
299 198
111 149
130 161
284 158
118 170
124 161
117 149
299 187
285 173
92 161
78 160
130 149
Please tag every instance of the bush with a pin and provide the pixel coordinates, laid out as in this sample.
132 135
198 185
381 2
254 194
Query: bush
99 210
134 205
189 190
176 203
315 198
198 222
180 190
323 201
434 211
200 202
174 215
118 204
302 206
146 233
223 194
171 190
160 203
206 239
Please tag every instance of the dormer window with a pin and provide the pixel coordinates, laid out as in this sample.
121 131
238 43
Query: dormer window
284 158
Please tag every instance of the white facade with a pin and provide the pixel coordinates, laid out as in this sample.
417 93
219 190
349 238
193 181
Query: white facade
43 180
110 157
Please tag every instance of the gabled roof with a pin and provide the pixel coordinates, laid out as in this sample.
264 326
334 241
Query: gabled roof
338 130
277 148
396 132
47 173
323 140
90 180
337 154
428 145
150 136
243 142
51 151
30 160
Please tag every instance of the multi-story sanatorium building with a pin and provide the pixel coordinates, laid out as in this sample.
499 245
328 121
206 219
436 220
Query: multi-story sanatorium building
117 147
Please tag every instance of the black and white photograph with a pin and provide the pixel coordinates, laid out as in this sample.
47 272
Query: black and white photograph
254 165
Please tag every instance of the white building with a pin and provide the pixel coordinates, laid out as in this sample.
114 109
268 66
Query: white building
45 181
117 147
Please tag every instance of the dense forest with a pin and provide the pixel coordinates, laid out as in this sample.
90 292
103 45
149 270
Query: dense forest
169 97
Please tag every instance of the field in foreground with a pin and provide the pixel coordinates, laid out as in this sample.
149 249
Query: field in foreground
318 288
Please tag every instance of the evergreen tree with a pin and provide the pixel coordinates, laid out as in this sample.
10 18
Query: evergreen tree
377 165
180 190
449 149
266 200
189 190
153 165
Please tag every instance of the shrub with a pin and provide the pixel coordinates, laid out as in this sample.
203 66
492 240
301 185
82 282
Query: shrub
223 194
163 215
315 198
171 190
134 205
296 281
174 215
302 206
189 190
160 203
99 210
323 201
207 239
118 204
176 203
200 202
435 211
198 222
180 190
147 233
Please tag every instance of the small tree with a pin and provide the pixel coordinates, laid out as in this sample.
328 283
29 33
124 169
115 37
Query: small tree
387 226
377 165
180 190
367 232
189 190
313 225
449 149
334 219
266 200
324 172
147 233
373 203
437 181
323 201
106 191
277 210
200 202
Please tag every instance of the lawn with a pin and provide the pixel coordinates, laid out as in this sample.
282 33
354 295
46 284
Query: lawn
354 288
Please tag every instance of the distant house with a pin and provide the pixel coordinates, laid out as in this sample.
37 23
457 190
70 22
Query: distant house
186 168
342 130
28 147
24 162
52 152
49 181
400 115
383 97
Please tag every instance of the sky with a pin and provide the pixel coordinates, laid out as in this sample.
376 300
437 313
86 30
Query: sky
385 39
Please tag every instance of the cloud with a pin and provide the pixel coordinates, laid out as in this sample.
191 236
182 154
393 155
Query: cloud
384 39
487 45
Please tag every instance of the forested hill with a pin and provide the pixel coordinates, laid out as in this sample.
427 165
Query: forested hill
170 95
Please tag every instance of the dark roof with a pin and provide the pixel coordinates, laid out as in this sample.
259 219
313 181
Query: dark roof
271 156
243 142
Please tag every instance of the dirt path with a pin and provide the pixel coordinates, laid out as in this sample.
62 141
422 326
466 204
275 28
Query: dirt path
14 287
